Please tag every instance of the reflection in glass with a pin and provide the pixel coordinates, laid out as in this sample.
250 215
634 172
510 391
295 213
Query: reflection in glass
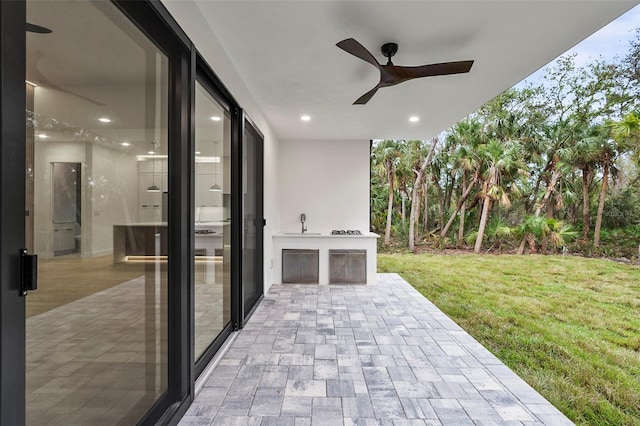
212 278
97 325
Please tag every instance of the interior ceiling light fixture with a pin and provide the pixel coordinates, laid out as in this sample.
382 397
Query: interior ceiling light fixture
42 136
305 118
215 187
391 74
153 187
125 144
104 119
216 118
414 119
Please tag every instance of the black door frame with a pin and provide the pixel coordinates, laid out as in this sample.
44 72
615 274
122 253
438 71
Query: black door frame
12 211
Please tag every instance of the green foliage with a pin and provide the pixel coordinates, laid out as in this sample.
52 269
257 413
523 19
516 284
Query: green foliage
573 141
622 210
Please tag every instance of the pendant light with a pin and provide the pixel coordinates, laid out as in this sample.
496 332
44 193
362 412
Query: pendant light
215 187
153 187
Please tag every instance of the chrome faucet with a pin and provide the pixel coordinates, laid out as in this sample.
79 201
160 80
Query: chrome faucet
303 218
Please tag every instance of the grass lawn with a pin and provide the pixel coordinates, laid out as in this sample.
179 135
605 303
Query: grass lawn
569 326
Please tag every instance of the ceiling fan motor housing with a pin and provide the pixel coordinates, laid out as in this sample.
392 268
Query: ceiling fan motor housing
389 49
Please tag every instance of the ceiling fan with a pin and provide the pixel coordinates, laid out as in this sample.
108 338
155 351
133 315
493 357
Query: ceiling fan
33 28
391 74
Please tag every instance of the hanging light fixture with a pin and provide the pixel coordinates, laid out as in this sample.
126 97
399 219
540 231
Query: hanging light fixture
215 187
153 187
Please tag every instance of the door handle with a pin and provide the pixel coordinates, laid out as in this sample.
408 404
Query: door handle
28 272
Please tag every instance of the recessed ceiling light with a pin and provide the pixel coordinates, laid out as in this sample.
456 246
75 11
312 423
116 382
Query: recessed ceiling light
216 118
414 119
197 152
150 152
305 118
104 119
42 136
125 144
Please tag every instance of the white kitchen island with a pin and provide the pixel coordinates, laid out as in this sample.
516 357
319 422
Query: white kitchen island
324 243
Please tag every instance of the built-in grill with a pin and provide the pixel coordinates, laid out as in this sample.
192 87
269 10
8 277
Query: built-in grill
346 232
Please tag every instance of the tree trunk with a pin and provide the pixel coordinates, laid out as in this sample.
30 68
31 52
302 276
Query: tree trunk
522 245
603 196
425 215
459 205
486 206
545 238
585 204
555 176
387 230
403 196
440 202
463 212
415 204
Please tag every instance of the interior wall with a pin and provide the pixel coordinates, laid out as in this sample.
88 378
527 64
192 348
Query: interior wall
108 193
113 194
326 180
189 17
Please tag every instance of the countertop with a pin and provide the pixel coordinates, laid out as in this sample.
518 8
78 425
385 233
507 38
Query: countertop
323 235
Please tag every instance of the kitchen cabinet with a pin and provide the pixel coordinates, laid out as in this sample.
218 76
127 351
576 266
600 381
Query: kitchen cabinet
347 266
300 266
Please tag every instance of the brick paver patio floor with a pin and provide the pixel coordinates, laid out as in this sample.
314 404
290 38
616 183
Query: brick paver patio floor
361 355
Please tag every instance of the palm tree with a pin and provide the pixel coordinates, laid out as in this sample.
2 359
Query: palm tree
628 130
415 204
613 140
386 157
503 161
467 135
584 157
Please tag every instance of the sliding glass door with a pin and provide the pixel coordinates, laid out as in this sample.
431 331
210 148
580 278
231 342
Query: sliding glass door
96 171
252 217
212 210
130 178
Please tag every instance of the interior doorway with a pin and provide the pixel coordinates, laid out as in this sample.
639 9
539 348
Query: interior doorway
67 208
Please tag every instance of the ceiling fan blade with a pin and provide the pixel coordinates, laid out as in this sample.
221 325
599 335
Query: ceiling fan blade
33 28
431 70
350 45
367 96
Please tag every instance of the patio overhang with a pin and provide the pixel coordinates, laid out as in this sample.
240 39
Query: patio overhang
282 54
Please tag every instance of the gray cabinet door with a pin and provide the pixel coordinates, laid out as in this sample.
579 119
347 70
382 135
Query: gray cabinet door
300 266
347 266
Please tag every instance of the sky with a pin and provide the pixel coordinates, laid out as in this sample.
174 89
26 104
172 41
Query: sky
607 43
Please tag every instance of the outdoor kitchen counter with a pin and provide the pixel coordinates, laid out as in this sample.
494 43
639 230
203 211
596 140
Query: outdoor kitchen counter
323 243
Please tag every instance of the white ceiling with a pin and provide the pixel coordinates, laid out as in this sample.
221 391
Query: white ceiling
285 52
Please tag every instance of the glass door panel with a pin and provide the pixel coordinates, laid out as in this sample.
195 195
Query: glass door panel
96 328
252 232
212 224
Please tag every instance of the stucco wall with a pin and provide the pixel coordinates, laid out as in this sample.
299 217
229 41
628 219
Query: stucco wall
326 180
